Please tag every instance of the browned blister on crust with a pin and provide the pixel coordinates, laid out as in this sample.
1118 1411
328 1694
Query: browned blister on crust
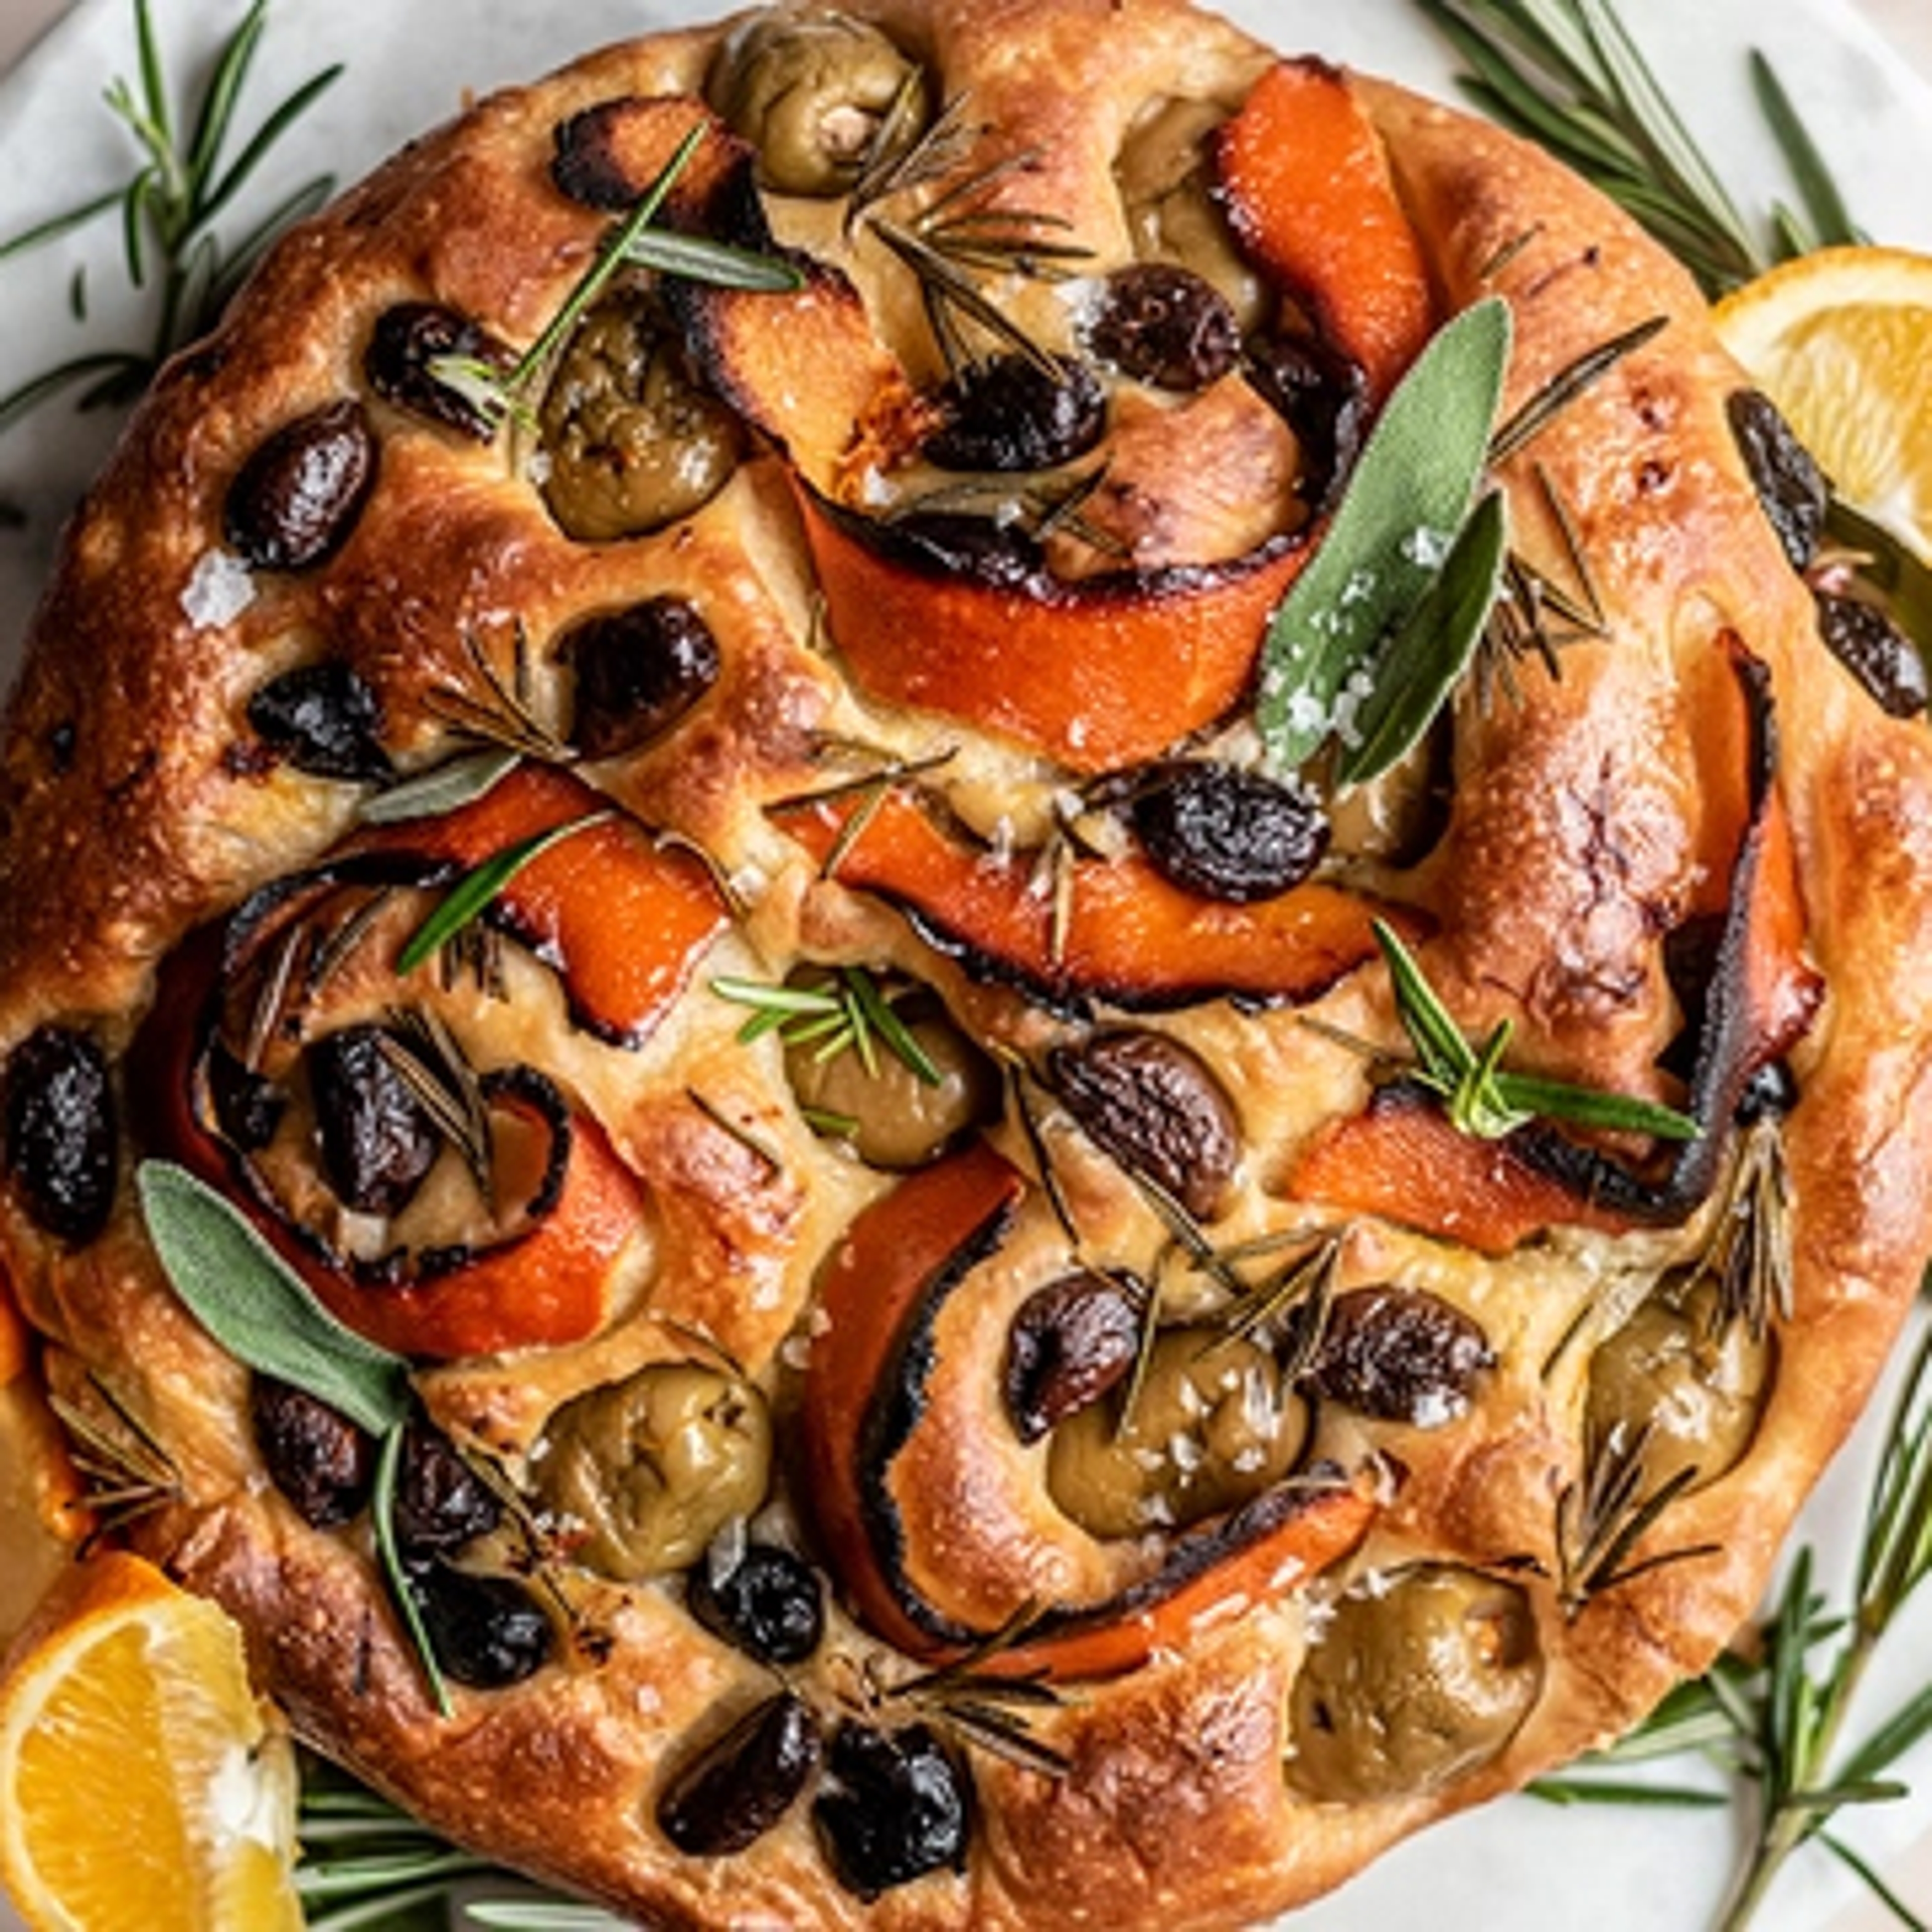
1105 1595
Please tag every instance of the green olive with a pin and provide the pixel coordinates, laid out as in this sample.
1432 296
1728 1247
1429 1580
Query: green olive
647 1470
1691 1385
810 92
1210 1428
890 1113
1411 1685
1165 183
630 442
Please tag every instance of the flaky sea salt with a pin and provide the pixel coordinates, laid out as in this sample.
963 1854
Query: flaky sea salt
218 592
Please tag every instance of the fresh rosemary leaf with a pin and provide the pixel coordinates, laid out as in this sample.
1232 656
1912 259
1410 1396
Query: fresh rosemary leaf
477 888
1831 225
444 788
1431 647
382 1516
113 365
57 225
1566 1791
698 259
1565 386
1480 1098
1398 519
258 1308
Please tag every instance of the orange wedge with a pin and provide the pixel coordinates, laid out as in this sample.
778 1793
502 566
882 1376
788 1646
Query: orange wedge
1841 340
143 1787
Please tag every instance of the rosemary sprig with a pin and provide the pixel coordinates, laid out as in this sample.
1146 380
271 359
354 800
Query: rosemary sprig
125 1471
170 207
1566 74
486 708
1601 1520
1480 1098
479 887
847 1012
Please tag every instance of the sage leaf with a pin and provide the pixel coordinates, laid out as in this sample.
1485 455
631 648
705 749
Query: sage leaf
1431 649
1400 513
444 788
477 887
257 1307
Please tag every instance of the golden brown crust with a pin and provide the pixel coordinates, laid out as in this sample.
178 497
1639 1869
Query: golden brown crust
1587 819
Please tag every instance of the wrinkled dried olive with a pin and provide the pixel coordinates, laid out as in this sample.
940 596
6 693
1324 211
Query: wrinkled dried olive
441 1502
294 502
810 91
1008 413
1168 191
647 1470
739 1786
1689 1384
768 1603
1157 1109
1210 1428
1071 1342
1225 833
1790 486
1324 397
488 1632
410 338
60 1132
1400 1355
377 1139
315 1455
891 1115
325 720
1866 641
898 1806
248 1108
638 671
631 442
1412 1684
1163 325
994 552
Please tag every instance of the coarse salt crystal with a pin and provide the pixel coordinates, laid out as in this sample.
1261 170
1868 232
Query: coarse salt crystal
218 592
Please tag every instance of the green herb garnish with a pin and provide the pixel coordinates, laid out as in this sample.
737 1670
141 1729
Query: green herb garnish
476 891
1398 524
169 209
1567 74
1481 1098
847 1013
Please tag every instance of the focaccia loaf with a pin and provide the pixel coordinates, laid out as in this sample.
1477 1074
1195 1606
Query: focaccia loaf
960 1375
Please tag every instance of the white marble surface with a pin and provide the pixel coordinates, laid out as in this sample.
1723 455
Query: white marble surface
1513 1867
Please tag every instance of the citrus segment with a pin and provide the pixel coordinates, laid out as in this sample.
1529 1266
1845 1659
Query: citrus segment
142 1785
1841 340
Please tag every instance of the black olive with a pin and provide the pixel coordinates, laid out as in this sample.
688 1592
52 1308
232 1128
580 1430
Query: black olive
1790 486
1324 397
441 1502
60 1132
1875 651
1156 1107
378 1139
1225 833
325 720
769 1603
1400 1355
1165 325
741 1784
968 546
407 339
1008 413
486 1632
248 1107
320 1460
1071 1342
898 1805
295 501
638 672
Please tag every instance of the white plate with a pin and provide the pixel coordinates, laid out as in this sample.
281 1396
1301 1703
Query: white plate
1515 1867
